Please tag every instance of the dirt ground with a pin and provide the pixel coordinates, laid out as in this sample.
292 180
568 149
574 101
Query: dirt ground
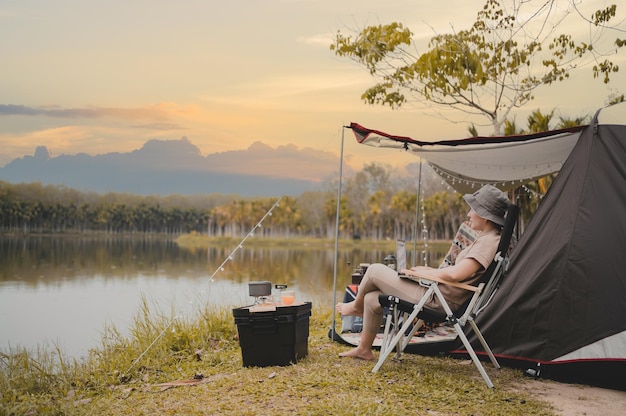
577 400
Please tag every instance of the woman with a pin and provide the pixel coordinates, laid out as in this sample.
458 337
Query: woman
488 206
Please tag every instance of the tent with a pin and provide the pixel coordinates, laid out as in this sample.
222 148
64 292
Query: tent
561 310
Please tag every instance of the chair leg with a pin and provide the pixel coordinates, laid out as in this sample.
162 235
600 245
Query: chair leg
397 319
472 353
386 334
397 338
459 330
409 336
483 342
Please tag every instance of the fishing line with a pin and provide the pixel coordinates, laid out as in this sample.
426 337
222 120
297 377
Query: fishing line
220 268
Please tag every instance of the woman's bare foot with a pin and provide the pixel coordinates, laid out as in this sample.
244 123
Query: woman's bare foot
348 309
361 354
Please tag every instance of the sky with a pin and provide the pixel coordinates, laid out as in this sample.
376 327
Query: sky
95 77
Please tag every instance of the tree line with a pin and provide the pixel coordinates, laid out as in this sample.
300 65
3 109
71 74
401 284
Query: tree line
375 205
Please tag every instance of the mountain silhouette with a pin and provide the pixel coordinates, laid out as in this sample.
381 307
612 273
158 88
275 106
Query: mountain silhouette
164 167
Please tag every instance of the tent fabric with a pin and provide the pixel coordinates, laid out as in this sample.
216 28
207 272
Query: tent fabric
564 297
466 164
605 349
562 304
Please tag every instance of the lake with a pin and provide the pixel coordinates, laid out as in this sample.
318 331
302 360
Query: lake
64 291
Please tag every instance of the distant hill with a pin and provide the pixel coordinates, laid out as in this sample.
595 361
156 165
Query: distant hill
164 167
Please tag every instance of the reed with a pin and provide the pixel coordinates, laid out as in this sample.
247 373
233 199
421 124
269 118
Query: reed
122 375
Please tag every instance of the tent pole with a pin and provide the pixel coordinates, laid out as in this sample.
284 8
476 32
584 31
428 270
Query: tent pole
417 210
343 129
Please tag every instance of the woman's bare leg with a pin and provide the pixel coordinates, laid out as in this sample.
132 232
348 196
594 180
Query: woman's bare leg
350 308
364 350
378 279
355 308
372 318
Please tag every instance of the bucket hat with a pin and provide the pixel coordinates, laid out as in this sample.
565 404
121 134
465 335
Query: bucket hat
489 202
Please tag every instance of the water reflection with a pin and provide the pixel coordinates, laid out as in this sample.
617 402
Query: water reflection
52 259
65 290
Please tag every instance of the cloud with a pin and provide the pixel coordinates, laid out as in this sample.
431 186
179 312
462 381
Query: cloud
160 111
57 139
18 110
68 139
314 92
283 161
160 126
322 39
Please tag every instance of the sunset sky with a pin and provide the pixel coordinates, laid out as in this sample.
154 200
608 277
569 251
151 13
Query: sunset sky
95 77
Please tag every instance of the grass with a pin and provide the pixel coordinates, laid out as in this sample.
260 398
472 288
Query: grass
121 377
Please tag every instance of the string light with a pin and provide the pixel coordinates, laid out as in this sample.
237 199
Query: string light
451 180
424 228
532 192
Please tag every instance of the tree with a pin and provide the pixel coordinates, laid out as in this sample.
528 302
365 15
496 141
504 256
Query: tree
402 210
489 69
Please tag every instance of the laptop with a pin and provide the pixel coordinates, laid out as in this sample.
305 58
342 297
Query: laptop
400 256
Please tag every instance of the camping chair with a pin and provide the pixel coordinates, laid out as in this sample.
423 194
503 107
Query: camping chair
400 325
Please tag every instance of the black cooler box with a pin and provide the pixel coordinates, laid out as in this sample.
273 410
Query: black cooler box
273 337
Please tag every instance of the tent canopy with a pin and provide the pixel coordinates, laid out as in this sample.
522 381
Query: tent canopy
466 164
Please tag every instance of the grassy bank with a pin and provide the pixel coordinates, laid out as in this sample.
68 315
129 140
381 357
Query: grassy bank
125 375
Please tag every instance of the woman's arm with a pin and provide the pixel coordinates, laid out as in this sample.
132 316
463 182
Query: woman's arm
457 273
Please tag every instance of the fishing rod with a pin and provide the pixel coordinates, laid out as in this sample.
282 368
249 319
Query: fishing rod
211 279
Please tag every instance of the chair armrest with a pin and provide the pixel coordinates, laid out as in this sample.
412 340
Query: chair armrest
413 273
